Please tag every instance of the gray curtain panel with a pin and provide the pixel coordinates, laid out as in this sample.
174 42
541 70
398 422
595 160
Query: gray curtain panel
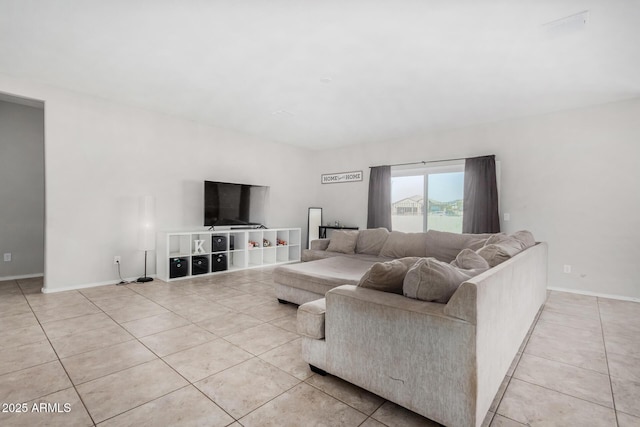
379 213
480 211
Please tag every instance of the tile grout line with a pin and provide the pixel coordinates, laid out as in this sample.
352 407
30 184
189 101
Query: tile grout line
142 404
563 393
189 383
158 357
218 337
121 370
253 356
565 363
525 342
59 361
515 421
342 401
606 358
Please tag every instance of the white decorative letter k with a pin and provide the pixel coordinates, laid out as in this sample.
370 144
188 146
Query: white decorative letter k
197 246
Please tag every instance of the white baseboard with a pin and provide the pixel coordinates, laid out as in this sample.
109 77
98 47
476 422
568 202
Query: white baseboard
24 276
90 285
593 294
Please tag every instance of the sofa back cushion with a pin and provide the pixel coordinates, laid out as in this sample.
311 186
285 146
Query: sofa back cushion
388 276
445 246
526 237
400 245
319 244
371 241
432 280
343 241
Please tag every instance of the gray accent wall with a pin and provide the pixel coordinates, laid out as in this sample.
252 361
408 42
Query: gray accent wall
21 190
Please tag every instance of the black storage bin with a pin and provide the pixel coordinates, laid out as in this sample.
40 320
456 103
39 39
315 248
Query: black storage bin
218 243
178 267
219 262
199 265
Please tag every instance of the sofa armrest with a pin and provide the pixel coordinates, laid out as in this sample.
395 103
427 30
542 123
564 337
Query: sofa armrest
516 285
405 350
319 244
502 303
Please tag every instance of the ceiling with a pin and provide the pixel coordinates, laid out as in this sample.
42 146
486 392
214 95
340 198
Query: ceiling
322 74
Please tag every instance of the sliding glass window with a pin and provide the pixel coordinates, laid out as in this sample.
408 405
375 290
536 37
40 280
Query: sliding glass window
441 185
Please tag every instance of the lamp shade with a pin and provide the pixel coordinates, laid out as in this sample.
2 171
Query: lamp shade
147 230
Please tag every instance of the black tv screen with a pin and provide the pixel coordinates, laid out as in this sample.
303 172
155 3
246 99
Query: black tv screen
234 204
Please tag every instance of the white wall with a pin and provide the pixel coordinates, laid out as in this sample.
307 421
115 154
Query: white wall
570 177
100 157
21 190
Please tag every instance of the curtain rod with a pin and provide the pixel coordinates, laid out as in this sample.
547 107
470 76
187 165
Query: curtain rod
421 163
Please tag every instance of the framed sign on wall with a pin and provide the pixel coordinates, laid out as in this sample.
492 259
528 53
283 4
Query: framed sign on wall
336 178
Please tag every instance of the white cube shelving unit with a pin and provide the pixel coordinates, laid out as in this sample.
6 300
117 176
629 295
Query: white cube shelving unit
250 249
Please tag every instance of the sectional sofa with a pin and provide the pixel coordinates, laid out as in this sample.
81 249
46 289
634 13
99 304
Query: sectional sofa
443 360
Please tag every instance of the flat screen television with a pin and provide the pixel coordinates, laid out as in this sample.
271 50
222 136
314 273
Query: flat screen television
228 204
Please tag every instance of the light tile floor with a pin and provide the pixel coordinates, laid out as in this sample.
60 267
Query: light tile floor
220 350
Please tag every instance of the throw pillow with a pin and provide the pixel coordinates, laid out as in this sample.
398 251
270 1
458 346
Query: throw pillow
500 247
371 241
470 262
387 276
526 237
399 245
343 241
432 280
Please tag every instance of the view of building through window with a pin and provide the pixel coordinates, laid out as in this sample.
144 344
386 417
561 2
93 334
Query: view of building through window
443 192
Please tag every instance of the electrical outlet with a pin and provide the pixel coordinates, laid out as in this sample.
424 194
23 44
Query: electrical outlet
116 260
507 217
567 268
7 257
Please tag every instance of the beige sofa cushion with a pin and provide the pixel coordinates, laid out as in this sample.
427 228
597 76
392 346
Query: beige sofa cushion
387 276
311 319
500 247
496 253
432 280
343 241
400 245
322 275
319 244
470 262
523 237
446 246
371 241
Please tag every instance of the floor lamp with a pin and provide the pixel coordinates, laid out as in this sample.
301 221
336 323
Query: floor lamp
147 235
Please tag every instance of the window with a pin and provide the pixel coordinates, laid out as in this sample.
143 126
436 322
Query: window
441 185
